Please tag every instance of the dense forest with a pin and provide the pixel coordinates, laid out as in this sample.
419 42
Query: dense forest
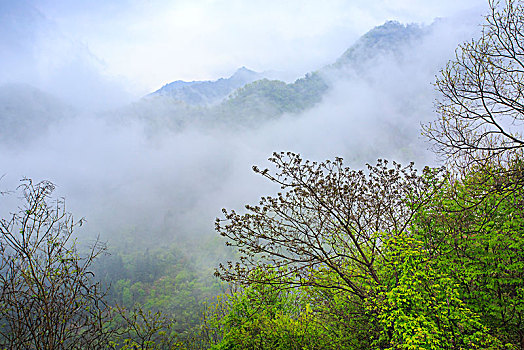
383 257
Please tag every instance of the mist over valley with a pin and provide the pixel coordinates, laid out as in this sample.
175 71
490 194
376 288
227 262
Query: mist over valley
164 165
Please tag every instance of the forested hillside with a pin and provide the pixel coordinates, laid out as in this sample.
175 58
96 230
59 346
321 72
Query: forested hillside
27 114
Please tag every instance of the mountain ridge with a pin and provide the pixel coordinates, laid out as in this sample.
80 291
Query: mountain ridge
246 98
247 85
208 92
208 103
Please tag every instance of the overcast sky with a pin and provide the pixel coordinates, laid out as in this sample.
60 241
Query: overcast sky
144 44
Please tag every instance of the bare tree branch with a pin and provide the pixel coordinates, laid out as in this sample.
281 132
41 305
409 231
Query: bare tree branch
48 299
481 104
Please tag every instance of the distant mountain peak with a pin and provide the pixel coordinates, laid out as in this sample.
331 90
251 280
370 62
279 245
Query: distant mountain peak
246 92
246 75
388 37
208 92
243 69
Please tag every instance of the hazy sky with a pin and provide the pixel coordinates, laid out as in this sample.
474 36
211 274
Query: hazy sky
143 44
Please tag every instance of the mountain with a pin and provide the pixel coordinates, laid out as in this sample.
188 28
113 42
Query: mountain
267 99
207 92
390 38
248 99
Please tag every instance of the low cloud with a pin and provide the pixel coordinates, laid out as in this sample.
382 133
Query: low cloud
172 184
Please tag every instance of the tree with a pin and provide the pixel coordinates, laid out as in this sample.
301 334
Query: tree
362 248
263 317
422 307
329 217
478 222
481 104
48 299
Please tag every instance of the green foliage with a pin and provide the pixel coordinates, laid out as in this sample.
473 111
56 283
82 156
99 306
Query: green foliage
264 317
441 269
271 98
161 279
145 330
474 231
421 307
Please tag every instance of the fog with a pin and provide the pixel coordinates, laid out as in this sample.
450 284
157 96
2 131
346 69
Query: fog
170 184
